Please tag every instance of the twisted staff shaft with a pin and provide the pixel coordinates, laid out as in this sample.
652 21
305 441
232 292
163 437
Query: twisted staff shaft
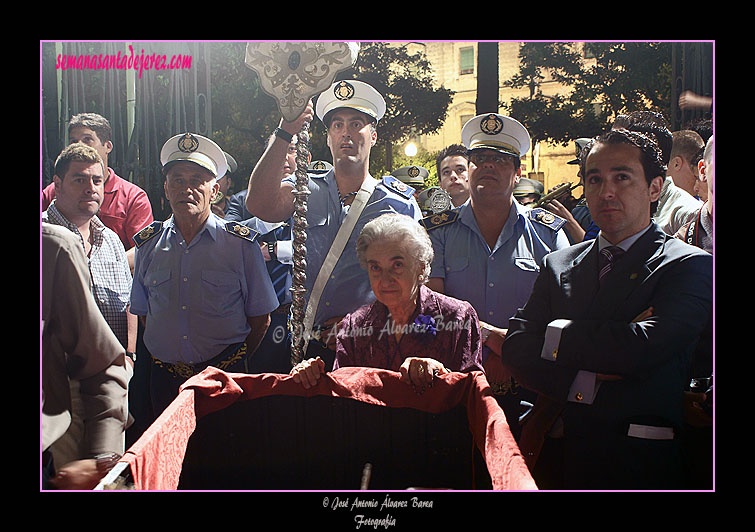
299 276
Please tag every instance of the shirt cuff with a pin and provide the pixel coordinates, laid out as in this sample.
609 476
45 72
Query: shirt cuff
285 251
552 339
584 388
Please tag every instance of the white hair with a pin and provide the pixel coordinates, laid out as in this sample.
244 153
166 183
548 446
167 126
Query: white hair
400 227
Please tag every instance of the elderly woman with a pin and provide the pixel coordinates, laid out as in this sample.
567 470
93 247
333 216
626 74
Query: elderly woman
409 328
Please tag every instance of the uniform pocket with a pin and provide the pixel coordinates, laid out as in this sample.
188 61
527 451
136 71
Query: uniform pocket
457 263
158 285
220 290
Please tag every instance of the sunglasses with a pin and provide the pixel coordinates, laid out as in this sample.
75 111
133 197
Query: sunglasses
494 157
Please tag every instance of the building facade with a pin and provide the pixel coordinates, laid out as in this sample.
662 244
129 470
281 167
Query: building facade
455 67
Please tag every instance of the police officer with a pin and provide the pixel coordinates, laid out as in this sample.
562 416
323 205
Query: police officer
350 109
580 225
200 284
274 353
489 251
220 203
413 176
434 200
528 191
452 164
319 167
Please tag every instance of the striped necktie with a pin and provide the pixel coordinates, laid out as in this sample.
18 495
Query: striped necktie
608 257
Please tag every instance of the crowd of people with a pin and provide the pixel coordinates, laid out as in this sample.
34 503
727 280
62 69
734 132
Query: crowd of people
590 315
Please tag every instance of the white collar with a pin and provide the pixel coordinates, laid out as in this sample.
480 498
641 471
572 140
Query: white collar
624 244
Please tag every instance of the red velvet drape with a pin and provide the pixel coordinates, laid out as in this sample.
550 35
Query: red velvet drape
156 458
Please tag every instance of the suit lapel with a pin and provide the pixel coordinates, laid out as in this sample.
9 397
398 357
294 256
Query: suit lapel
579 283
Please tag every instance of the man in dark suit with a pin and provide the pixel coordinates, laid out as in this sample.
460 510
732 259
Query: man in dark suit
610 357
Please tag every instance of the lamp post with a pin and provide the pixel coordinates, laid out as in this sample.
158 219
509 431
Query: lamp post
410 150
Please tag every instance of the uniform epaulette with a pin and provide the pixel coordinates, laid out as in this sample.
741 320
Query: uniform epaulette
546 218
398 186
242 231
151 231
439 219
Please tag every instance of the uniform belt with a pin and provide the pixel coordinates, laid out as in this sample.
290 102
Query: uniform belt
223 361
649 432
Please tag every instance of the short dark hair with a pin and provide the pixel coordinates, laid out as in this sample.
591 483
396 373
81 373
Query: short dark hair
702 126
76 152
652 124
450 151
97 123
687 144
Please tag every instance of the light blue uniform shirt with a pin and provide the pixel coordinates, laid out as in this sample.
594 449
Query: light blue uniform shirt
197 297
349 286
499 281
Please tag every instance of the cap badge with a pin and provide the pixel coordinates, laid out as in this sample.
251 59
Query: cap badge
413 171
440 201
188 143
343 91
319 165
491 124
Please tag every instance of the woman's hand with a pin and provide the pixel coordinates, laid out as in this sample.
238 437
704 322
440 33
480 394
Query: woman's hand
308 372
420 372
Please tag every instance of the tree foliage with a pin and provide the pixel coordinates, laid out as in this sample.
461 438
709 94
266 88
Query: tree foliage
242 115
623 77
245 116
413 105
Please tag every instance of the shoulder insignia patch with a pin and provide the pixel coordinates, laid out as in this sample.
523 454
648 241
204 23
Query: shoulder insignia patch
439 219
151 231
398 186
546 218
241 231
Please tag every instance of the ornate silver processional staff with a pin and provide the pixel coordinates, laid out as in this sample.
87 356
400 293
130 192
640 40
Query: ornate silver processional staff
293 73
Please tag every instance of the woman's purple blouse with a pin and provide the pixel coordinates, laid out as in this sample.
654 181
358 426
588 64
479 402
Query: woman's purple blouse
442 327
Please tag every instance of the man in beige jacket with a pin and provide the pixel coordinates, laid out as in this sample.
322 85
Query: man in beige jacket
77 344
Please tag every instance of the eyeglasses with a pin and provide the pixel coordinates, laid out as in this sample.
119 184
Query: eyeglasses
493 157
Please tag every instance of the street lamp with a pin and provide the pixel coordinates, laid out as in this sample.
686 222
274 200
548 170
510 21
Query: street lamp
410 150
